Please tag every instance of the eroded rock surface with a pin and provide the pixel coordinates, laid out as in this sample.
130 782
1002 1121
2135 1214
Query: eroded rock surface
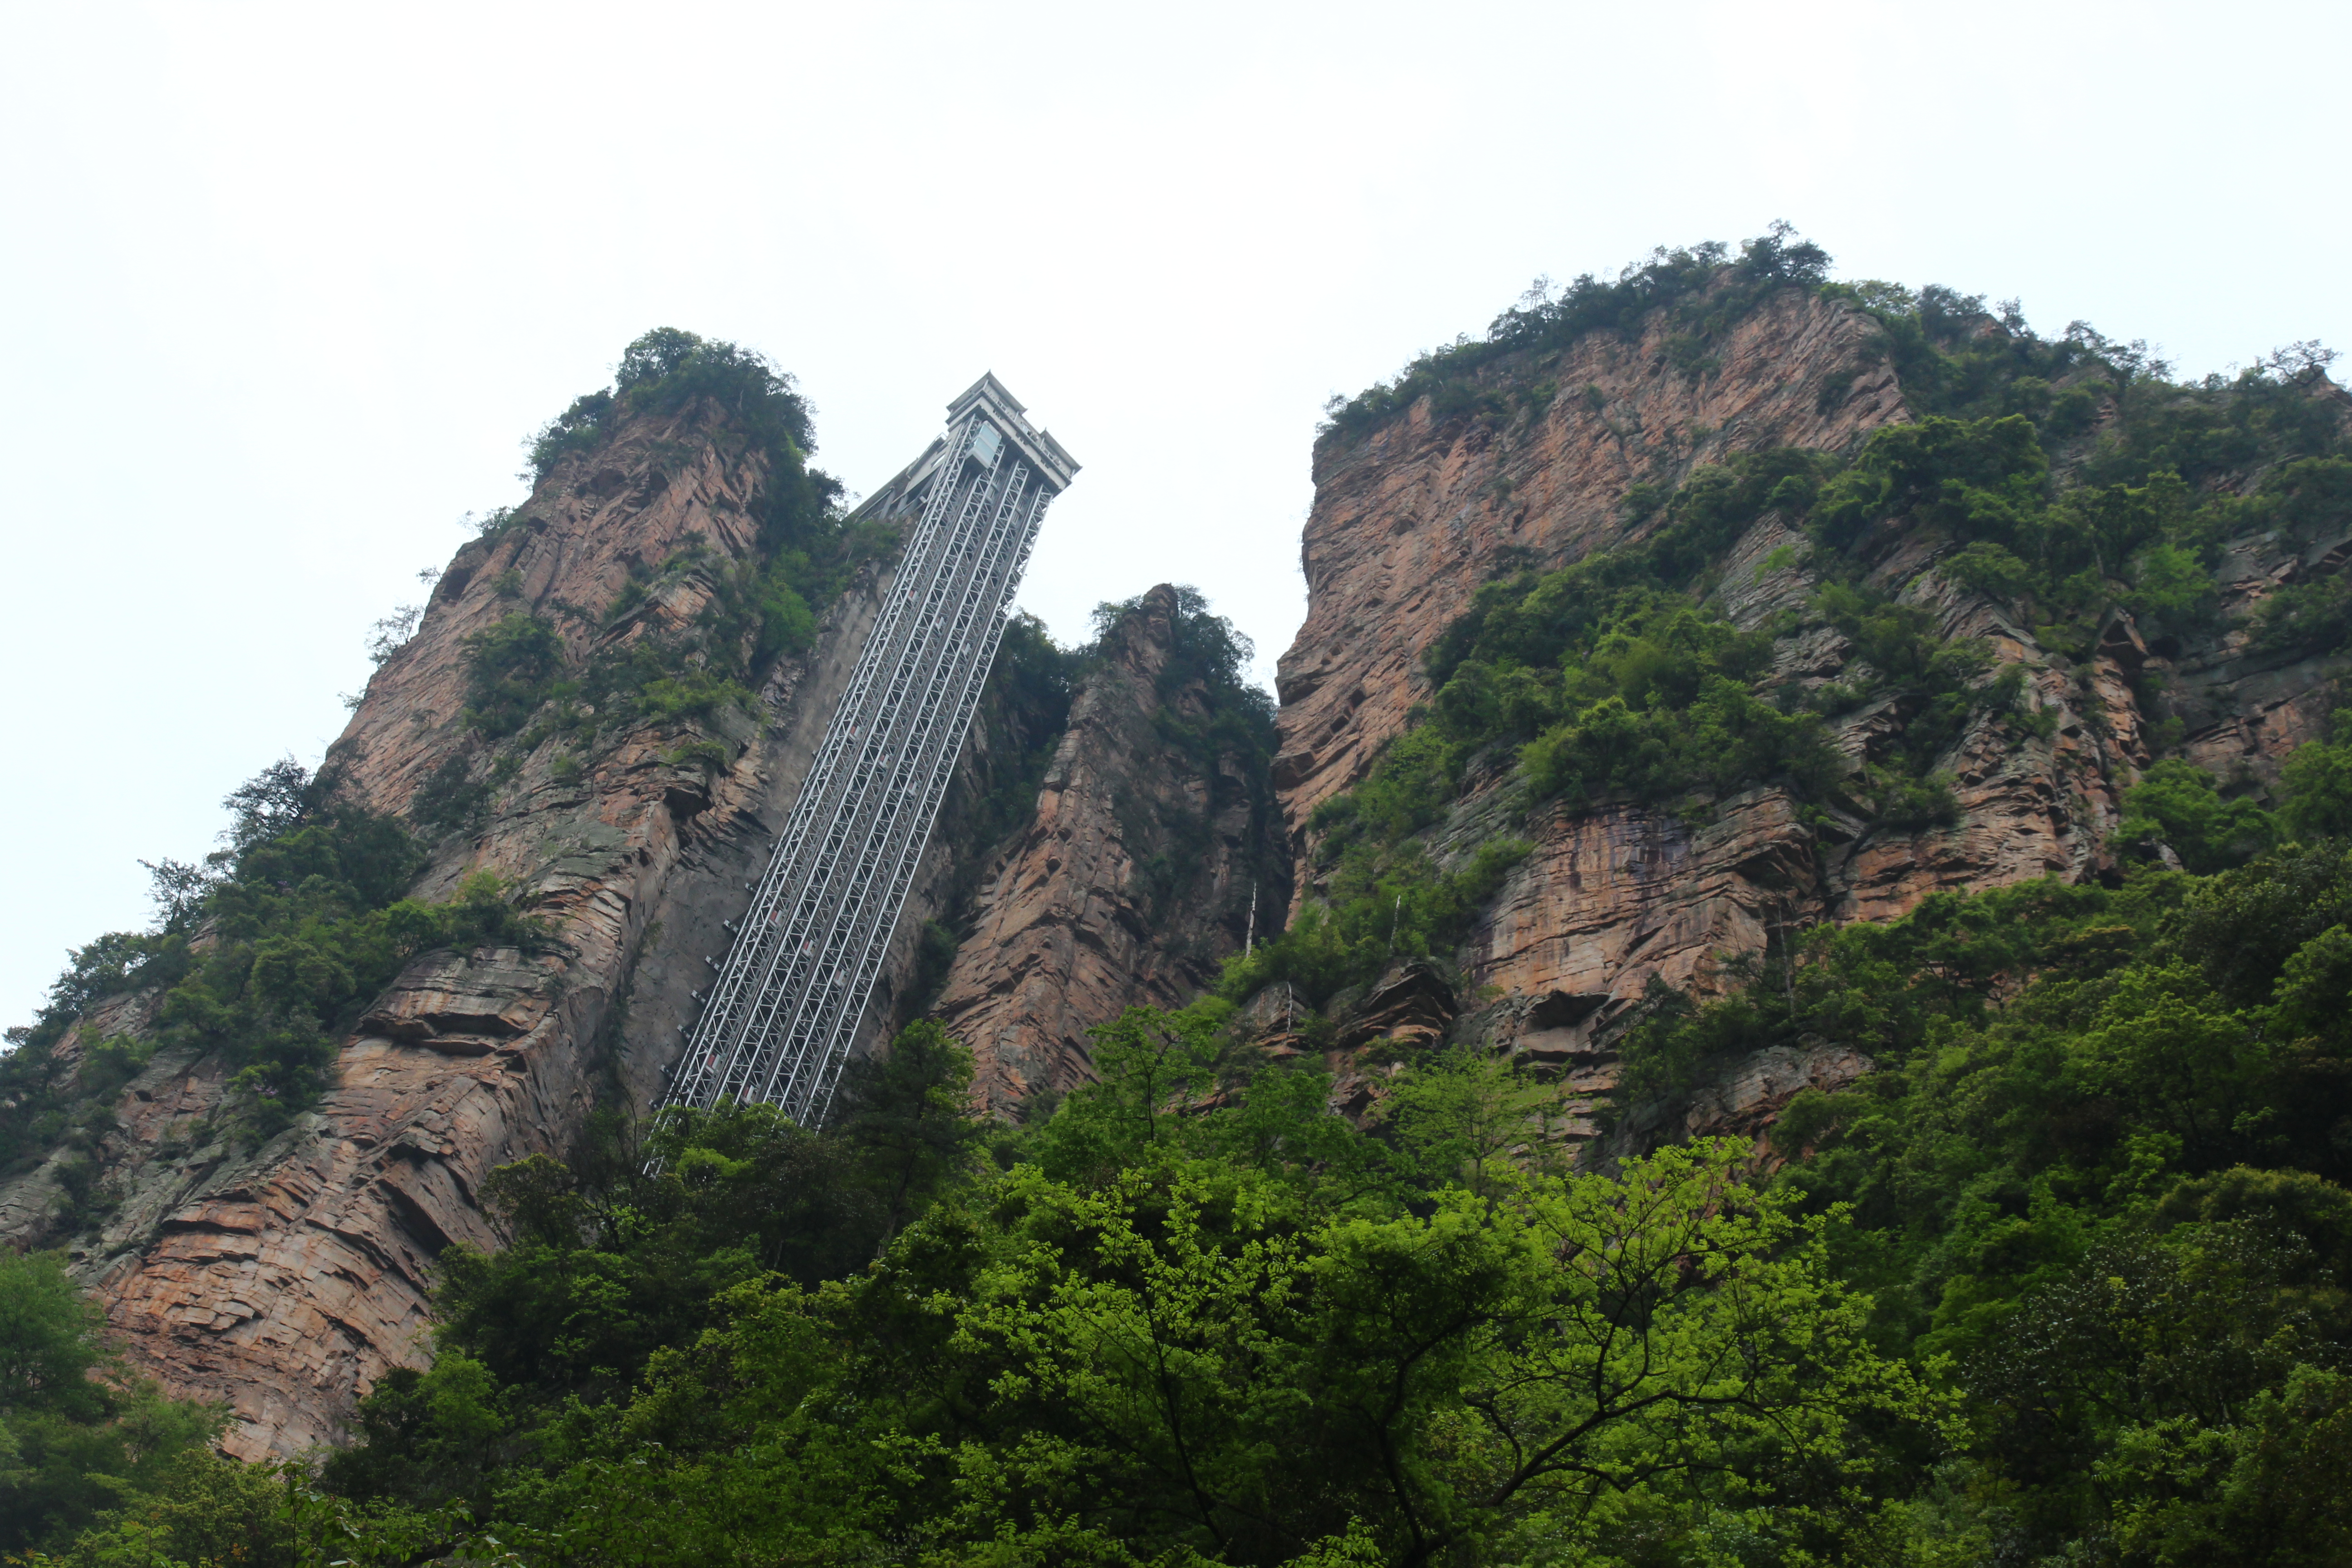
283 1280
1410 520
1130 885
1743 1099
1407 523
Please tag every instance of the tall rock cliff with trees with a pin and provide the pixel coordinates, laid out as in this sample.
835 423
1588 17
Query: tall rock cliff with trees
1773 990
1684 614
256 1127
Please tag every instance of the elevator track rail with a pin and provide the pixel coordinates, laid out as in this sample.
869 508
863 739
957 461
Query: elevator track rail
778 1025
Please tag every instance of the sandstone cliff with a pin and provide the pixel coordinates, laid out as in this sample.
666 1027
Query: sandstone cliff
1407 524
1411 519
283 1279
1152 839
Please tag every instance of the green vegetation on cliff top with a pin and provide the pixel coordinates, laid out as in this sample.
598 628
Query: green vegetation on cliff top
584 679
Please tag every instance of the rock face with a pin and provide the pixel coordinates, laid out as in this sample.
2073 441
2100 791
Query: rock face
1410 520
2244 711
1130 884
1614 897
283 1279
1744 1099
1408 523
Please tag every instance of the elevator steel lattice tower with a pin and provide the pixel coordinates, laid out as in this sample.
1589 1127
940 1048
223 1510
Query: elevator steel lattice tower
778 1025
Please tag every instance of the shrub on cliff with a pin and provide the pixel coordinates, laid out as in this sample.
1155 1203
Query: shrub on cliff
78 1433
520 679
1604 687
450 797
305 928
666 372
1721 739
511 668
1377 909
2178 804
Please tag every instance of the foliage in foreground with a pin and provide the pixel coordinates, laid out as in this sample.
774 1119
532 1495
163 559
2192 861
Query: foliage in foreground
1174 1322
77 1434
2060 1281
2101 1170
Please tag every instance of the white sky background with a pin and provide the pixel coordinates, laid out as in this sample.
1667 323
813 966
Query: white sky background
283 289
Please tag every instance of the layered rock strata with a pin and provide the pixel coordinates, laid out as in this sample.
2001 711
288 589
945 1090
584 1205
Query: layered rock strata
282 1280
1407 523
1410 520
1130 884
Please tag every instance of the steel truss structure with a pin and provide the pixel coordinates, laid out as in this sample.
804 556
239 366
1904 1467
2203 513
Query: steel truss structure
779 1024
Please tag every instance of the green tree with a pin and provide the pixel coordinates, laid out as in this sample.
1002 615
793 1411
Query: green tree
78 1435
207 1512
906 1120
2178 804
1177 1332
2318 780
626 1251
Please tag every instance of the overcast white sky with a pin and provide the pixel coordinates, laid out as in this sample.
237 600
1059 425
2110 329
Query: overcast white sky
283 288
